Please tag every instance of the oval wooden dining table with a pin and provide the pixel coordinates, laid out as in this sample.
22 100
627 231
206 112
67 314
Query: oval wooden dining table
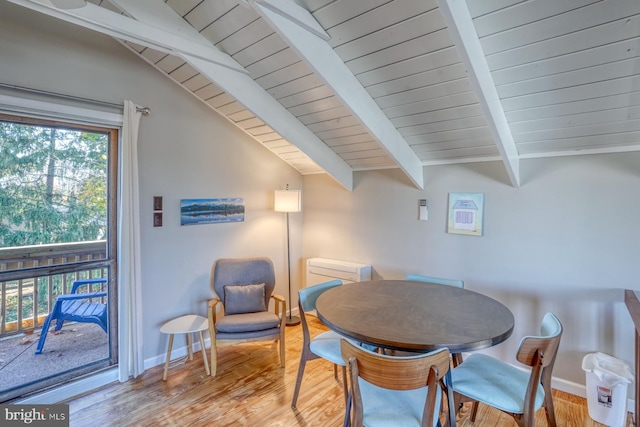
415 316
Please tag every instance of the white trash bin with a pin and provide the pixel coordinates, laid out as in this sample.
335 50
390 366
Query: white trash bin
608 380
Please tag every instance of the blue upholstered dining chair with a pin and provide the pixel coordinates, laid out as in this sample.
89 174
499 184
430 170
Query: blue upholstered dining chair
389 391
325 345
487 380
437 280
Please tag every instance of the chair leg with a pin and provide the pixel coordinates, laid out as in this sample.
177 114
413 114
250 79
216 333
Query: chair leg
214 357
43 334
474 411
296 390
345 386
282 352
548 406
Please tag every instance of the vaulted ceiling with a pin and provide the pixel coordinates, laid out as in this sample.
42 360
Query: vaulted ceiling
335 86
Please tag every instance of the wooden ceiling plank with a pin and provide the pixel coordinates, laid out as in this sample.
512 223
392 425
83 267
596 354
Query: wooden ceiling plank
622 101
589 57
594 15
458 18
588 38
441 115
619 86
326 63
583 76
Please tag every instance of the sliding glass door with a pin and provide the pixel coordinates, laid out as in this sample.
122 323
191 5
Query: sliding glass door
57 226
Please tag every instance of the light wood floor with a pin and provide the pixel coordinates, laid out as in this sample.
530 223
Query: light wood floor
251 389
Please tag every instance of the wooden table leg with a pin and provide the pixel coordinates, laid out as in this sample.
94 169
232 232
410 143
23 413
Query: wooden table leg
190 346
166 365
204 353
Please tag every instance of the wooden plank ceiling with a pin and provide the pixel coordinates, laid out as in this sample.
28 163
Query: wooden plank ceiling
338 86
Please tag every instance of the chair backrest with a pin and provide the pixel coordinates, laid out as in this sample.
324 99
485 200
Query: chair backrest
437 280
396 373
78 283
546 344
308 296
243 271
540 352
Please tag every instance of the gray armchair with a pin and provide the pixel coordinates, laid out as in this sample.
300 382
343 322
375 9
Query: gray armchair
244 288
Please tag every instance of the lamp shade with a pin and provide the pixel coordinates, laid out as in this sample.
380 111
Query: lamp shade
287 201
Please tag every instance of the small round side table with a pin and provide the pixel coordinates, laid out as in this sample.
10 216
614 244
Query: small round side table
186 325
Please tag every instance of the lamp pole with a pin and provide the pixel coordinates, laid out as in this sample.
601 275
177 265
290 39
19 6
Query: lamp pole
288 201
291 320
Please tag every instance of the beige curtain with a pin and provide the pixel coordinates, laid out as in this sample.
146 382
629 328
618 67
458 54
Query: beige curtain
130 355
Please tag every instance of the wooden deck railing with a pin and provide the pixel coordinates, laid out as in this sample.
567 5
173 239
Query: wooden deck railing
31 277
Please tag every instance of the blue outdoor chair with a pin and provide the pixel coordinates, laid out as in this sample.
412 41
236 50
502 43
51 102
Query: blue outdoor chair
76 307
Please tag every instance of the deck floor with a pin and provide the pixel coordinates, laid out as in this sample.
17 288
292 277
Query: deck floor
76 345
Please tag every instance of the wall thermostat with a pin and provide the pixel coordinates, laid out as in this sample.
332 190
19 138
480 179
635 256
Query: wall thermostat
423 213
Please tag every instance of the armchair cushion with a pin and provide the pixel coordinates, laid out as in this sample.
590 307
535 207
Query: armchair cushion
247 322
239 299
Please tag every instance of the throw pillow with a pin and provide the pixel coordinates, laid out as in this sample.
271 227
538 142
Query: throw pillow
244 298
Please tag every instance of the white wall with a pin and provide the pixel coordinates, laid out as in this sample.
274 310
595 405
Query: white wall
565 241
186 150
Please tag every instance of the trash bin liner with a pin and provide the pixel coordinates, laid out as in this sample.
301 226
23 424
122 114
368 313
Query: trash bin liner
608 379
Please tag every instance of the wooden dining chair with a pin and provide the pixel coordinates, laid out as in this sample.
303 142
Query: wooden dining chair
437 280
487 380
325 345
394 391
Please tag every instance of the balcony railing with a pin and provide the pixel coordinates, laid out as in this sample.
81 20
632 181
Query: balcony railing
31 277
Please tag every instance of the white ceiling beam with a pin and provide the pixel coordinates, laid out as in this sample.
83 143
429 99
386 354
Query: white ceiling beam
321 57
294 13
157 17
458 18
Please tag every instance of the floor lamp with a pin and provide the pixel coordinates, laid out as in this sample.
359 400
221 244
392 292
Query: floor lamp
288 201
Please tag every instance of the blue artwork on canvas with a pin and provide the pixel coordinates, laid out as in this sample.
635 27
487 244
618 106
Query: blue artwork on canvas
208 211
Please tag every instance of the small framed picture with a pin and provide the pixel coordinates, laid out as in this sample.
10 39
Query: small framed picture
466 214
157 203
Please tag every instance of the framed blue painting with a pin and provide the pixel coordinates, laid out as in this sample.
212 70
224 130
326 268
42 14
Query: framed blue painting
210 211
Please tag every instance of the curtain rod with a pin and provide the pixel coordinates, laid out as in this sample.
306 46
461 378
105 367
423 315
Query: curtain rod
144 110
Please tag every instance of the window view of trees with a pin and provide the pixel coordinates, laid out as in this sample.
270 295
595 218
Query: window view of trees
53 185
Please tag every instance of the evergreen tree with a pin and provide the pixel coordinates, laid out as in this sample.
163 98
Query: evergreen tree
53 185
